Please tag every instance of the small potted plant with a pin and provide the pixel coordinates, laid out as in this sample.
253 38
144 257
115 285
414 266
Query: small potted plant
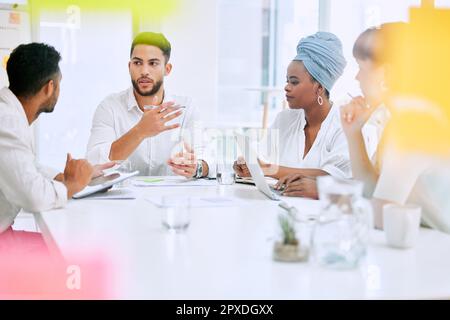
289 248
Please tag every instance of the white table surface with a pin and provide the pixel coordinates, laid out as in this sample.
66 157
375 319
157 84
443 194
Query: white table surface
226 252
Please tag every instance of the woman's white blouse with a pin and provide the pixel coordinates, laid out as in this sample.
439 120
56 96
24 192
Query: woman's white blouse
284 144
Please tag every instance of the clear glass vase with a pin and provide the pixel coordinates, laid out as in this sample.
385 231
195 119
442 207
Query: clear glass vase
341 233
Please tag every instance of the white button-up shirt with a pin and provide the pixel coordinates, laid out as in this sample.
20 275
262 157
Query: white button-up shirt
118 113
23 183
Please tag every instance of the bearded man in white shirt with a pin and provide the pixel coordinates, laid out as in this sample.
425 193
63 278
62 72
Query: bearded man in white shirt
143 125
34 82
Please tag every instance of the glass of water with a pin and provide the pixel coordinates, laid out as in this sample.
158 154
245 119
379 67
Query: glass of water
176 214
225 174
226 154
124 167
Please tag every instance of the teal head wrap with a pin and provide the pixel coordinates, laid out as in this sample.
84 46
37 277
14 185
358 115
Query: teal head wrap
321 53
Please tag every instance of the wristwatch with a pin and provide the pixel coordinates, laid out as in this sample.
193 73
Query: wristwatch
199 172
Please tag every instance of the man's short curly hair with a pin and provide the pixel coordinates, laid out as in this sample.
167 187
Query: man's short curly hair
30 67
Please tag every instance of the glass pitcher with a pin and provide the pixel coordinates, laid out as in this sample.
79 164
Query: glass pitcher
341 233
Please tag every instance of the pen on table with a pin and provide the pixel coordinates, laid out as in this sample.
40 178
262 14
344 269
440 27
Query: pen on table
286 206
293 210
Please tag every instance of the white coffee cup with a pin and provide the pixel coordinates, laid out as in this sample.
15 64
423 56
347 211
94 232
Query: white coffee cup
401 224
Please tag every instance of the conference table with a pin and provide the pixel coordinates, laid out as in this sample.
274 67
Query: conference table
226 251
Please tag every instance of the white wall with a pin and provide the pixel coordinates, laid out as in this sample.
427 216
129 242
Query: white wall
95 56
192 31
240 61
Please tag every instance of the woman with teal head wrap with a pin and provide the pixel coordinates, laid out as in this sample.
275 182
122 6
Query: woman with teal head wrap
310 141
317 66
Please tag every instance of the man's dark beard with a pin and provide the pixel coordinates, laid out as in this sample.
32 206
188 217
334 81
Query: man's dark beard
48 106
48 109
157 85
